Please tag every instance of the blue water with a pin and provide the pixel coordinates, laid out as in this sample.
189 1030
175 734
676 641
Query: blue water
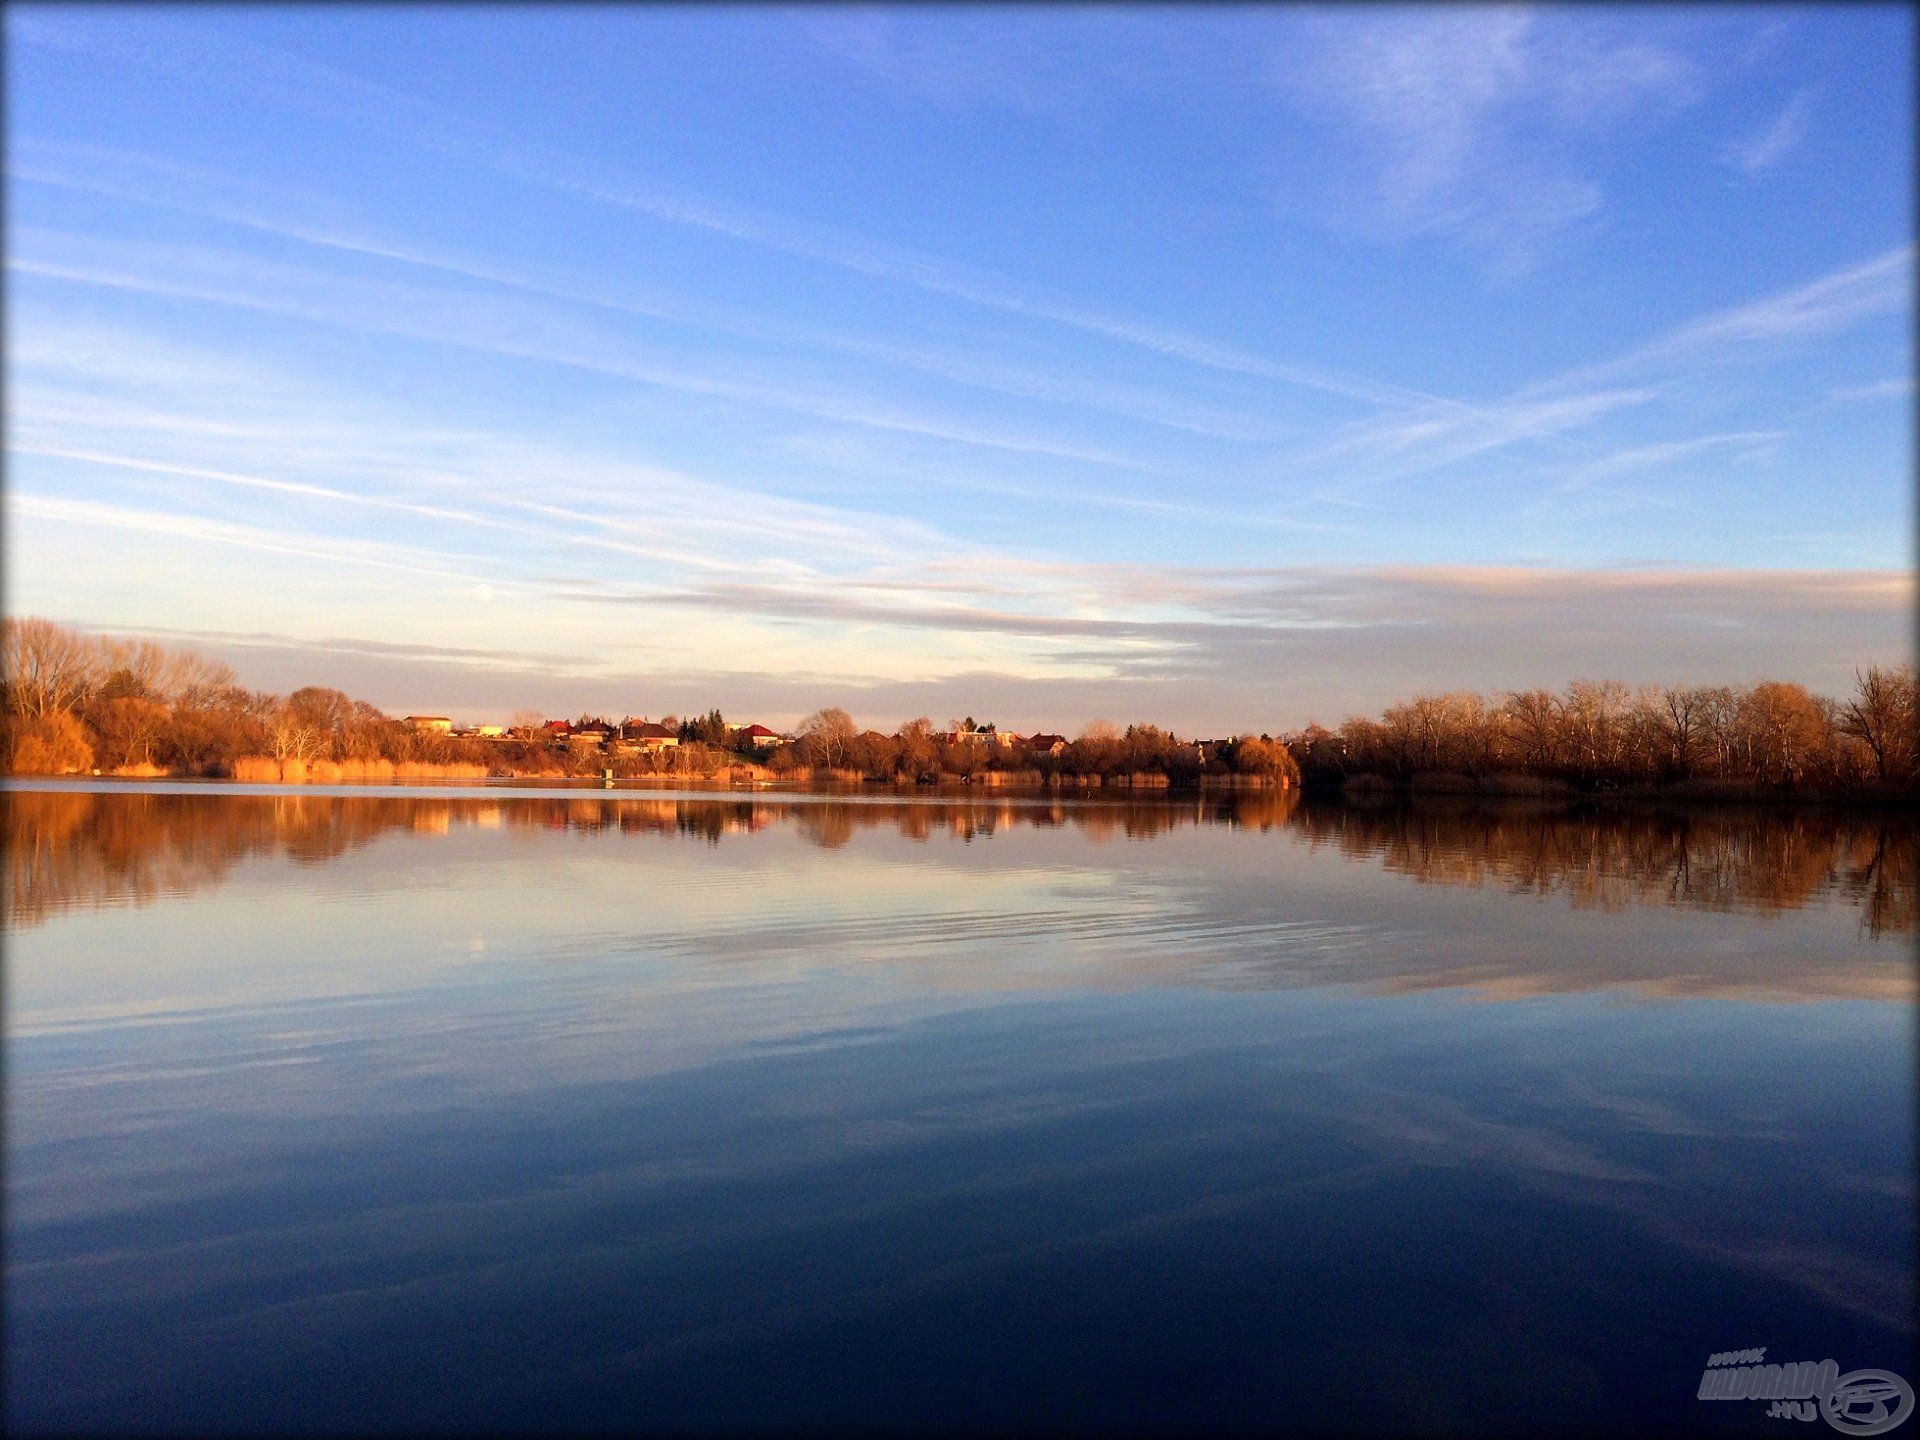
348 1112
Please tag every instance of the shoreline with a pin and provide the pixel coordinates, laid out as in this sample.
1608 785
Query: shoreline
860 791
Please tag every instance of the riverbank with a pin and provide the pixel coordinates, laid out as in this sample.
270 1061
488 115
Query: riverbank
1696 798
1450 785
265 770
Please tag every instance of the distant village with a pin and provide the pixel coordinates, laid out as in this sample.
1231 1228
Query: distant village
630 737
829 745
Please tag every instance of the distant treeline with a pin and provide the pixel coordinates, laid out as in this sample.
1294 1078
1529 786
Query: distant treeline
74 703
71 703
1598 735
828 743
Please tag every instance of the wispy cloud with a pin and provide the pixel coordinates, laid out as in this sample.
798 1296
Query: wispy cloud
1766 147
290 80
1397 447
612 504
1060 64
517 526
1898 388
1670 452
1246 603
253 537
954 282
205 420
495 325
198 190
1553 407
1882 285
1616 483
462 656
1441 434
1465 119
871 464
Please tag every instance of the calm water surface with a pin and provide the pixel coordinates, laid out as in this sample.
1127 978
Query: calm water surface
404 1110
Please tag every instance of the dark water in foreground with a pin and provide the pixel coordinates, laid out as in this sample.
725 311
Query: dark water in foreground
496 1111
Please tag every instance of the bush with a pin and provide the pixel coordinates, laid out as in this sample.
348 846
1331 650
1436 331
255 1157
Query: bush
56 745
1508 783
1442 782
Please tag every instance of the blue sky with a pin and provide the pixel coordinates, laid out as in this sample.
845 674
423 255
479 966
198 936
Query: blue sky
1228 368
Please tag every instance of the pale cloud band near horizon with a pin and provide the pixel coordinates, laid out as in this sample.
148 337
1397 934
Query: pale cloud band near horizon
1212 652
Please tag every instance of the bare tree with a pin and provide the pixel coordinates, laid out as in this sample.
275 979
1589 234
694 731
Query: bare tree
128 726
1266 758
193 680
293 735
45 667
825 736
1782 727
1535 717
1593 716
329 714
1682 718
136 667
917 749
1881 715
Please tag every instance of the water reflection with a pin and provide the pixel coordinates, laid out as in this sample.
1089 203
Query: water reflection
1614 859
67 848
606 1112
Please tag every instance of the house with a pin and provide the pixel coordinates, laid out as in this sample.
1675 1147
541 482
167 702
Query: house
433 724
1047 744
758 736
648 735
593 735
555 732
491 732
988 734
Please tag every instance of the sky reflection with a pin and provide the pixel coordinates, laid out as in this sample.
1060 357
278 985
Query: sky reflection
336 1113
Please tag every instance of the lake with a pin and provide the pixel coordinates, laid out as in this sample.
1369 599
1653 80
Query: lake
495 1108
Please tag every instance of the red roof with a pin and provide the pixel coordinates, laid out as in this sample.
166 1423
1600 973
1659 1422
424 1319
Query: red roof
758 730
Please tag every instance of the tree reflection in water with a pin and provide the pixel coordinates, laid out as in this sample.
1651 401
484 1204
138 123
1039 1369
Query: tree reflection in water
80 848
